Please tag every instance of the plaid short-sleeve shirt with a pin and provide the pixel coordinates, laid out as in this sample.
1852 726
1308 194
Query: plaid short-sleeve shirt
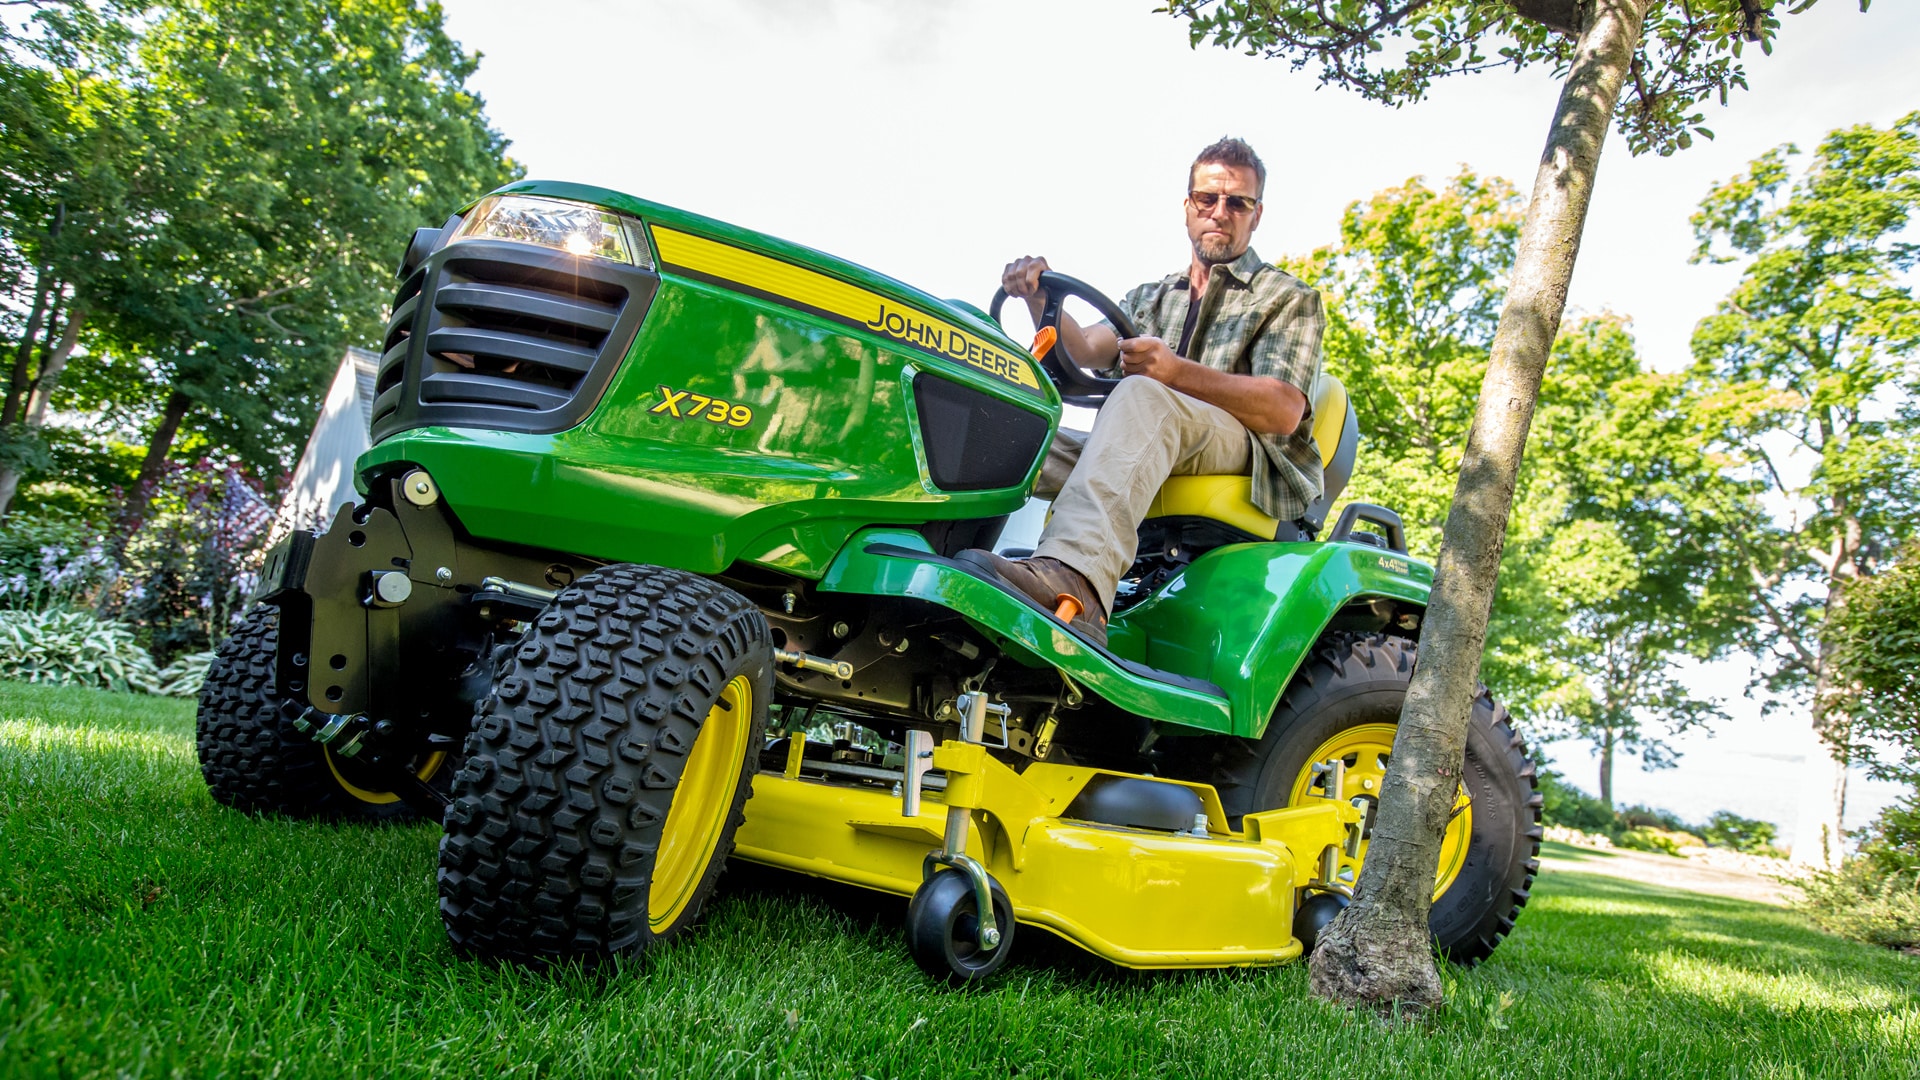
1254 319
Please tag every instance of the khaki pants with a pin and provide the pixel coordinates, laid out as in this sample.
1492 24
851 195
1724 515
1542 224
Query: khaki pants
1105 480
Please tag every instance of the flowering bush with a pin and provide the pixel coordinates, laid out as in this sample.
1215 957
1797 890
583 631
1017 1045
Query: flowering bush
189 568
52 562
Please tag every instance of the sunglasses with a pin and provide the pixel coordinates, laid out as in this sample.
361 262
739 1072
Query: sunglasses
1207 200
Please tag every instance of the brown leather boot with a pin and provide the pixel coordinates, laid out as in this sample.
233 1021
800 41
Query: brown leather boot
1047 581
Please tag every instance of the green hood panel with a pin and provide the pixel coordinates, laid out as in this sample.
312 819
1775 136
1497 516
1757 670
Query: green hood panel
755 417
1241 618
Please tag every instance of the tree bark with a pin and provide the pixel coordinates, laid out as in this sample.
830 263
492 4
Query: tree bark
22 372
1606 769
40 393
44 290
1378 952
1819 838
134 511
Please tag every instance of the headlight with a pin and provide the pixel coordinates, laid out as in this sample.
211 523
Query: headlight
575 228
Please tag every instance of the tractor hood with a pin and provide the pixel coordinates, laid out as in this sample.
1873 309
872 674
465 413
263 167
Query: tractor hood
585 370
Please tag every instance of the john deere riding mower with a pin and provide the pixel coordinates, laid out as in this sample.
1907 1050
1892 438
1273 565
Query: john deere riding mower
654 566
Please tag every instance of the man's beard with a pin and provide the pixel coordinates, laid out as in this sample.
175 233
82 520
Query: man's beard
1216 253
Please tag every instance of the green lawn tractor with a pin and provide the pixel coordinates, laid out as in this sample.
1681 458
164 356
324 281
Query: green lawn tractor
654 566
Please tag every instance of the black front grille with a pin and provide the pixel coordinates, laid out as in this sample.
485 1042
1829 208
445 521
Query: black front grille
505 336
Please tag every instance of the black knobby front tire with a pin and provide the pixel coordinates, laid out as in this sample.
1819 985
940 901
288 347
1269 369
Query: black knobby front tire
252 757
607 771
1351 688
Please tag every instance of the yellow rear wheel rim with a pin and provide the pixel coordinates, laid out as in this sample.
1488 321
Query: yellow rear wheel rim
1367 749
427 768
702 802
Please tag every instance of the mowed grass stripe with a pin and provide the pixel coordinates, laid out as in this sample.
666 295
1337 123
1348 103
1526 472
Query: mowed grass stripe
145 931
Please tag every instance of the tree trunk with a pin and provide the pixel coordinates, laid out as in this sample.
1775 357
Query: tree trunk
134 511
1606 768
23 356
45 288
1820 833
1378 952
40 392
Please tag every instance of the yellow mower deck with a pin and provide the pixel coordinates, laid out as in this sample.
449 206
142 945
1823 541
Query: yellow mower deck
1140 898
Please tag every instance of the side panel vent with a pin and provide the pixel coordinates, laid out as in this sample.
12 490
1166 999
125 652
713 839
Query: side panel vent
975 441
505 336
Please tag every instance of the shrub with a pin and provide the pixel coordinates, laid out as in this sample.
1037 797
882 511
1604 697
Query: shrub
1569 807
1727 829
1861 902
1652 817
183 677
1663 841
1892 842
75 648
189 567
51 561
1875 896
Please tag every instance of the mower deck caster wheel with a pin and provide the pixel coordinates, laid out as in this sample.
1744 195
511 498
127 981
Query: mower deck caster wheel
943 925
1315 914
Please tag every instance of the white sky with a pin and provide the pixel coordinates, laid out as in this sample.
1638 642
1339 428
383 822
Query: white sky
935 140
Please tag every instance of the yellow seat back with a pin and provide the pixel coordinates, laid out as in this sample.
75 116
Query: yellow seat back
1229 499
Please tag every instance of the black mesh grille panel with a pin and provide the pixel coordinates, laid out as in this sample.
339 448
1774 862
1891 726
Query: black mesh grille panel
505 336
975 441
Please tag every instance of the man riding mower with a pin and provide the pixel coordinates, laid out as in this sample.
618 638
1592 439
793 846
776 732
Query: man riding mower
662 557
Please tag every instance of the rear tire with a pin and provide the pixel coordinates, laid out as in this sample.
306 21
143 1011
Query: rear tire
252 757
607 771
1346 700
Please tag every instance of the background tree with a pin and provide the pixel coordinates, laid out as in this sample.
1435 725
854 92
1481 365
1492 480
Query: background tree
1603 581
74 175
1811 361
297 145
1377 950
1632 572
1873 650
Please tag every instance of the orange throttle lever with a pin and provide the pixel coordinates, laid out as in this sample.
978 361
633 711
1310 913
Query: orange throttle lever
1043 342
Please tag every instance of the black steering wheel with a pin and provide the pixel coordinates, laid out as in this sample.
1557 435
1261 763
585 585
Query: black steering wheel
1077 385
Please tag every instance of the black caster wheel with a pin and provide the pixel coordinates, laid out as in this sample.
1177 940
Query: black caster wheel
943 924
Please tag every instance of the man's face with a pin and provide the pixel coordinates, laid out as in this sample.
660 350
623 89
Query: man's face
1222 234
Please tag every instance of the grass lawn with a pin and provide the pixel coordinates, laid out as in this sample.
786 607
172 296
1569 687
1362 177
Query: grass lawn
146 932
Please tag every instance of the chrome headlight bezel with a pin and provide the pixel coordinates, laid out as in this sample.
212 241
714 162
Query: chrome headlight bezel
576 228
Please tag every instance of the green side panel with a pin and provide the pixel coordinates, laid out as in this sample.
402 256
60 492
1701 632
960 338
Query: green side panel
1026 634
833 442
1244 616
1241 617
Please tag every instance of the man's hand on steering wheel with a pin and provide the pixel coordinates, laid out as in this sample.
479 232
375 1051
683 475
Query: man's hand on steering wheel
1047 291
1021 280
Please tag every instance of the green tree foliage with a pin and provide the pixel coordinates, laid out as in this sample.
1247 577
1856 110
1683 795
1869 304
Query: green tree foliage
1688 53
1811 361
74 176
1607 575
1875 652
1729 830
295 145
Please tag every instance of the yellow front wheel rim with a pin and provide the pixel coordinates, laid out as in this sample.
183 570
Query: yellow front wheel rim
1367 749
380 798
702 802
